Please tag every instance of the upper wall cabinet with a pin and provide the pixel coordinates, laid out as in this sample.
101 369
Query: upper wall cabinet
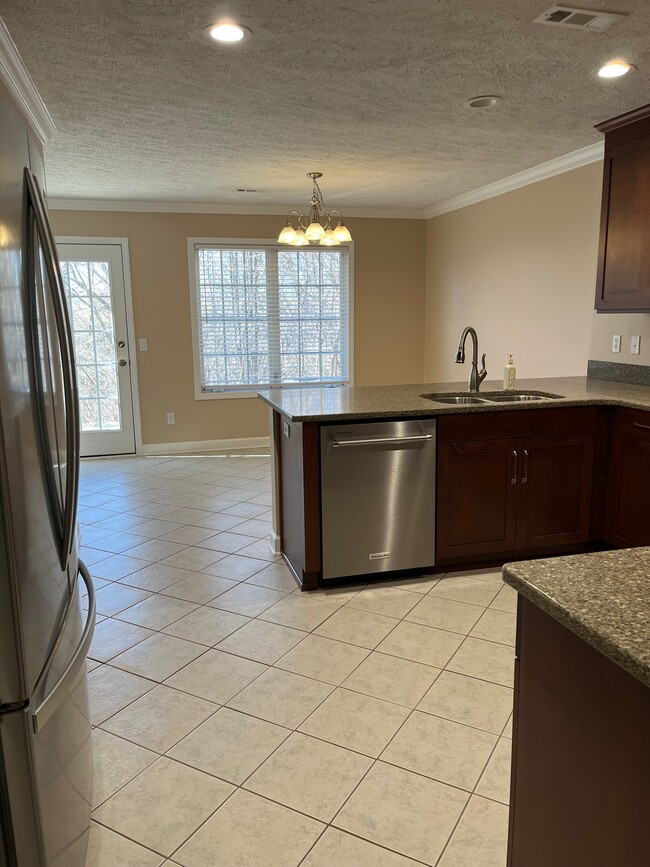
623 281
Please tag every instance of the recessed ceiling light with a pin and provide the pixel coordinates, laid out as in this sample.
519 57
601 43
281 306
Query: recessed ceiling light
227 31
615 69
483 101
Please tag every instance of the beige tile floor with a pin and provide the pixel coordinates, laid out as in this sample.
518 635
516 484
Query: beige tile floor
241 722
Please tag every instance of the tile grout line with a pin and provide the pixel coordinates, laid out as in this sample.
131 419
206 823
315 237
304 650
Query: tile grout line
376 759
274 665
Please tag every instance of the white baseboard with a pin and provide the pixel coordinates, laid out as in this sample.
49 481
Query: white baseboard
206 446
275 543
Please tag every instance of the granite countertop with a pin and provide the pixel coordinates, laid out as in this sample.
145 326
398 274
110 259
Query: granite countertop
396 401
604 598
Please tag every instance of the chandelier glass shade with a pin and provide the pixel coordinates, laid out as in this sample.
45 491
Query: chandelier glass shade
322 227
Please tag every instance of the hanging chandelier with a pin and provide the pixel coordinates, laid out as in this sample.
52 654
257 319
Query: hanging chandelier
320 227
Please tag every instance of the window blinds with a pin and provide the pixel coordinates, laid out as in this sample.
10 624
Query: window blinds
271 316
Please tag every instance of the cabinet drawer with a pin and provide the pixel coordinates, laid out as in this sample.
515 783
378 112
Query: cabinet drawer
545 421
633 423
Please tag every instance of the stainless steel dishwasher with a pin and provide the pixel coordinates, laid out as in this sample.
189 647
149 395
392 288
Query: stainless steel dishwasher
378 497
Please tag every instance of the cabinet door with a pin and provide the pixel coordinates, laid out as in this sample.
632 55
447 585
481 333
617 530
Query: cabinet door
624 256
553 507
477 498
628 501
581 756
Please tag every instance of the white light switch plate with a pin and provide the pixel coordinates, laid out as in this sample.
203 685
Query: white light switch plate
635 345
616 342
143 344
171 418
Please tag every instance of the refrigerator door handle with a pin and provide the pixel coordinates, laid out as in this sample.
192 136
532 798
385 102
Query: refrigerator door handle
64 329
44 710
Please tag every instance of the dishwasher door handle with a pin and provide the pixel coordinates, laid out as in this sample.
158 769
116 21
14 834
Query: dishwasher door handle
376 441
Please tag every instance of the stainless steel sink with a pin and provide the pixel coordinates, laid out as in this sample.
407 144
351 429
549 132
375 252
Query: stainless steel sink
457 399
466 398
518 396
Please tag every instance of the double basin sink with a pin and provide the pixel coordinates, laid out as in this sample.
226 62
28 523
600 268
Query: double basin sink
462 399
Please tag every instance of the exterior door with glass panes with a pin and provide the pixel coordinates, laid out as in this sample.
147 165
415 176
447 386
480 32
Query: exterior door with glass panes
93 276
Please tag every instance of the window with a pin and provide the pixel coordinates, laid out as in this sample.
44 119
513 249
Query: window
267 316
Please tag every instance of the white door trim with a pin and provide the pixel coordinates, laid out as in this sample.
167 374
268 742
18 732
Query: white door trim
123 243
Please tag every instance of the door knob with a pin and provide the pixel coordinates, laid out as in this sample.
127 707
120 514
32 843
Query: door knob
121 344
122 362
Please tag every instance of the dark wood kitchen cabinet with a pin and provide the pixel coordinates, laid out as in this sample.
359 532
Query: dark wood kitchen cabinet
623 281
521 494
628 494
477 498
580 755
553 503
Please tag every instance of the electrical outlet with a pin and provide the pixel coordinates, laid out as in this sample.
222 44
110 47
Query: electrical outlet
635 345
144 346
171 418
616 342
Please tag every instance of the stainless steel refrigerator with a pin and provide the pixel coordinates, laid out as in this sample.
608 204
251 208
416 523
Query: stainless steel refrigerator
45 748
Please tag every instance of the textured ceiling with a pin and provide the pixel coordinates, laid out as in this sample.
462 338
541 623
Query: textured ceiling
370 92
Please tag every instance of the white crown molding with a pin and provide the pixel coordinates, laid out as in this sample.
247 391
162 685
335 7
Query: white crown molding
581 157
280 211
18 81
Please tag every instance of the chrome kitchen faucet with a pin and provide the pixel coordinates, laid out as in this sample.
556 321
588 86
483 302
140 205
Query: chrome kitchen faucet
475 377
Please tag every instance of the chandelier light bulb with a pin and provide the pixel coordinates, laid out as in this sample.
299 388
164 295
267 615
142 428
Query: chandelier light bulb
342 234
314 231
288 235
301 239
328 239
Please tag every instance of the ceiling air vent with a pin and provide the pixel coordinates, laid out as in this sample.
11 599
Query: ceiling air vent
248 190
584 19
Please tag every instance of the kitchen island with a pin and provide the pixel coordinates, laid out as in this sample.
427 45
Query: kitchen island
512 479
581 751
406 401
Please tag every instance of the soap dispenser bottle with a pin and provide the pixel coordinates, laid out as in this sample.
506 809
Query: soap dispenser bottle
509 374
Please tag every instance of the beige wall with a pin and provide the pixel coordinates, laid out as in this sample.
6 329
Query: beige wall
521 269
605 325
389 284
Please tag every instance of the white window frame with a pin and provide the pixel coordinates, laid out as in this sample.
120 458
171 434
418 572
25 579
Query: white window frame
199 394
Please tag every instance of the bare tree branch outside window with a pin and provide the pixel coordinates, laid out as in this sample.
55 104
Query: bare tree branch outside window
88 293
272 317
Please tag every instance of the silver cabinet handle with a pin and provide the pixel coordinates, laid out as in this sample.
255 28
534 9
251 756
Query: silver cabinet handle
121 344
380 441
643 426
122 362
46 708
515 462
524 477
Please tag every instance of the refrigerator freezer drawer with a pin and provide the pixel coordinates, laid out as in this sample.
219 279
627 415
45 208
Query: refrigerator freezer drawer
46 755
378 497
